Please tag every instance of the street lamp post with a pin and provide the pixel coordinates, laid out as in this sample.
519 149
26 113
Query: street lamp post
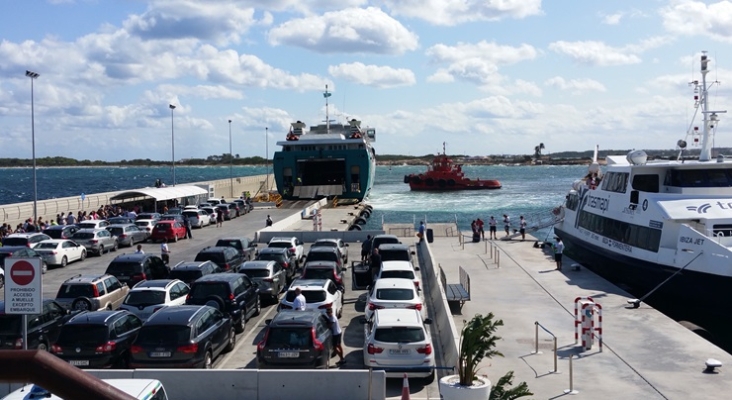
172 141
33 75
231 163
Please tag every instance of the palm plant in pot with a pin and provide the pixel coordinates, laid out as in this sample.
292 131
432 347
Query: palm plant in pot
478 341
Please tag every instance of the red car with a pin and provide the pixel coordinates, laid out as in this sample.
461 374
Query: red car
168 229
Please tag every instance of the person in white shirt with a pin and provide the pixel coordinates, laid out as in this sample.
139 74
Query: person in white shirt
522 228
165 251
299 302
492 227
139 249
337 334
506 224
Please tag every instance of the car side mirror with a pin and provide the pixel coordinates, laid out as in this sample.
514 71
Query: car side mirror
362 321
416 268
428 321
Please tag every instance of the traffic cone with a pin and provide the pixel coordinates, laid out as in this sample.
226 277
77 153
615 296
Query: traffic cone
405 388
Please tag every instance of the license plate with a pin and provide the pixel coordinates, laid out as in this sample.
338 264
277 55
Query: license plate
399 352
288 354
79 363
160 354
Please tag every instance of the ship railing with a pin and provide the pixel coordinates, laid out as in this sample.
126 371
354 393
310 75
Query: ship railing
536 220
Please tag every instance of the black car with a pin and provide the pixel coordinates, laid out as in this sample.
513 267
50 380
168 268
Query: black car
295 339
234 294
61 231
283 257
324 270
325 254
183 337
378 240
20 252
43 329
98 339
133 268
395 252
227 258
245 246
189 271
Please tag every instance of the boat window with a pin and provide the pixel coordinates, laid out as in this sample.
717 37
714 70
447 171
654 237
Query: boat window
615 182
724 230
621 232
716 177
646 183
572 201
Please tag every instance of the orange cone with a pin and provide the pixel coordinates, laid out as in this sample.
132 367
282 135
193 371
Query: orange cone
405 388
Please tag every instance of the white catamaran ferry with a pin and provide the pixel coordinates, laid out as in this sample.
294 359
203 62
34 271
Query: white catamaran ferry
649 223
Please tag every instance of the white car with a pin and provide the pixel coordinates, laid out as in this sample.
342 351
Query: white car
320 294
397 341
400 269
146 225
212 213
147 297
198 218
292 243
60 251
335 243
392 293
93 224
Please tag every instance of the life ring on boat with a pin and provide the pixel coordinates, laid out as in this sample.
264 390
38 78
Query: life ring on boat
416 180
441 183
557 210
429 182
451 182
354 227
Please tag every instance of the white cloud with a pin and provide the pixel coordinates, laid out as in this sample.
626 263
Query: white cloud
575 86
455 12
594 53
373 75
696 18
351 30
202 91
522 86
612 19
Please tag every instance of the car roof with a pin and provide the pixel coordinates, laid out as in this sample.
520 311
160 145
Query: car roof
308 284
133 257
323 249
190 265
165 221
232 238
228 277
282 239
399 283
398 317
320 264
91 230
397 265
156 284
273 250
86 278
95 317
10 249
386 236
393 246
121 225
24 235
178 315
294 317
257 264
214 249
56 241
328 240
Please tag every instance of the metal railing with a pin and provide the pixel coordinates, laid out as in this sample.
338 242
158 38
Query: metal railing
536 342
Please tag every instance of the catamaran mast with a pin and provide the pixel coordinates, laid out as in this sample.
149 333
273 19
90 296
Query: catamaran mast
326 94
710 117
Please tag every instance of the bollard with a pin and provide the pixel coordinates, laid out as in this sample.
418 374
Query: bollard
571 383
486 247
491 250
536 338
498 258
462 245
556 371
371 372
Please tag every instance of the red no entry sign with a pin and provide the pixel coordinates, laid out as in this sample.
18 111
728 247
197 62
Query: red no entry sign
22 273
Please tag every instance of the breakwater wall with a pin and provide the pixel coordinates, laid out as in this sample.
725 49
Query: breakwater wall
16 213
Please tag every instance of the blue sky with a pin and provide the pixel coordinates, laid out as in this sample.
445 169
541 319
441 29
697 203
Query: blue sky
485 76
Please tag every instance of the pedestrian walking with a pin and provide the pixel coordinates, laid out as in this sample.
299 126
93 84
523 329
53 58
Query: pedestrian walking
139 249
479 223
365 249
268 222
492 223
421 231
219 217
522 227
506 224
165 251
558 250
187 224
337 335
299 303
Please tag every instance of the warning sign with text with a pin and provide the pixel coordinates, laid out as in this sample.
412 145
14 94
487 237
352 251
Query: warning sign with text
23 286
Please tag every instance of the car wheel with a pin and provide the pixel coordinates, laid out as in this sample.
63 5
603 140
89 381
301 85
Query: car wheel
115 246
215 302
258 308
208 361
64 261
83 255
241 325
82 304
101 251
232 341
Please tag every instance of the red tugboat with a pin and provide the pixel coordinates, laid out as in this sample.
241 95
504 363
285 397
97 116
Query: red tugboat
444 175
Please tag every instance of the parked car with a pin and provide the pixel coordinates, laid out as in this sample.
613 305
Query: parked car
93 224
395 252
153 216
183 337
170 230
320 294
392 293
227 258
378 240
133 268
292 243
268 275
30 240
212 213
214 201
129 234
148 297
21 252
296 339
233 294
173 217
282 256
228 212
43 328
335 243
189 271
121 220
397 342
138 388
146 224
400 269
98 339
91 292
173 211
198 218
325 254
96 241
60 251
324 270
243 206
61 231
245 246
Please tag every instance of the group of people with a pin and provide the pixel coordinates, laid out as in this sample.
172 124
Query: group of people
477 226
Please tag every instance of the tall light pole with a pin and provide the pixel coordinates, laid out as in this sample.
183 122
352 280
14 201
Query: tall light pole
266 154
172 137
231 163
33 75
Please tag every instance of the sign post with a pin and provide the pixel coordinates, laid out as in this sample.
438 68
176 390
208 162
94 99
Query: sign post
23 290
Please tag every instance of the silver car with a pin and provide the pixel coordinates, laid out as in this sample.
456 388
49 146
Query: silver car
97 241
198 218
128 234
269 275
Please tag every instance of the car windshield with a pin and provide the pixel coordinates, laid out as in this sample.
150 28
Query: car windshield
162 226
379 241
87 225
83 334
14 241
271 257
215 257
190 214
396 255
186 275
317 273
10 324
397 274
280 245
255 273
229 243
324 244
144 298
289 337
203 290
311 296
83 235
54 233
400 334
116 231
142 224
70 291
163 335
119 267
394 294
46 245
322 256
